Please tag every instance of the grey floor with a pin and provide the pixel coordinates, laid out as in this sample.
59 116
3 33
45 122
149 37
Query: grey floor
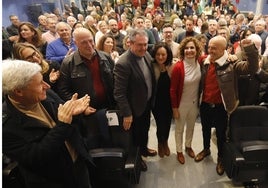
167 172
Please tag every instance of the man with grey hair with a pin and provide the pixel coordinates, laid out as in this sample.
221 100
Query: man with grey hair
260 30
134 90
39 131
178 28
58 49
51 34
89 71
90 24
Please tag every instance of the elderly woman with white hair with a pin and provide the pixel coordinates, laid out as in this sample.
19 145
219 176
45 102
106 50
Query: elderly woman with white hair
40 133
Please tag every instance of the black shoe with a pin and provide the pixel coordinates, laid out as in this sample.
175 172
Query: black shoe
143 166
149 152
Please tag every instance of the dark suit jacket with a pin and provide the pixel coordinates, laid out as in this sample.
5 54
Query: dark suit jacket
182 35
130 89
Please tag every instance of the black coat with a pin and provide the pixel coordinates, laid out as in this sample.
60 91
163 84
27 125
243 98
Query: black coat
40 151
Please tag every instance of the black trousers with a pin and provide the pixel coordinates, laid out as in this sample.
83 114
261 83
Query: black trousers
140 128
213 116
163 123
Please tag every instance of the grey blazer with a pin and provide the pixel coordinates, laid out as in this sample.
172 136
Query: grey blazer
130 89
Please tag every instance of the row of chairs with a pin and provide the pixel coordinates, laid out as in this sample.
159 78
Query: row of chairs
245 154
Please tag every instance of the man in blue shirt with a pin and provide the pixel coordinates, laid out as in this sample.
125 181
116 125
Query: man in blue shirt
63 46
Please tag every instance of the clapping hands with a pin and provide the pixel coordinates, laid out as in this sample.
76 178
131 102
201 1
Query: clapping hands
72 107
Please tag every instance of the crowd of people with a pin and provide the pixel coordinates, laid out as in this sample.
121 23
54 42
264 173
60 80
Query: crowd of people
61 76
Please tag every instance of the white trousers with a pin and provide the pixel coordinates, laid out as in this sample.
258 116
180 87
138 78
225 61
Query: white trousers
188 114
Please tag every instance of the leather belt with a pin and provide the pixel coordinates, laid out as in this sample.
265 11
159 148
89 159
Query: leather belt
212 105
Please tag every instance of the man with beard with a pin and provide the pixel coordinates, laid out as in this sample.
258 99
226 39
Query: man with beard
113 27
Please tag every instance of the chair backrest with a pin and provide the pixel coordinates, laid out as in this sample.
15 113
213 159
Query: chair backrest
249 123
120 137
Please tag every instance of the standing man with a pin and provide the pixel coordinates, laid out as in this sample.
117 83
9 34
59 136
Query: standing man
219 92
168 38
89 71
113 26
134 90
189 25
139 24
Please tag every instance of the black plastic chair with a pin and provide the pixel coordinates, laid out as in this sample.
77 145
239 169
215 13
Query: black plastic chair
119 164
245 156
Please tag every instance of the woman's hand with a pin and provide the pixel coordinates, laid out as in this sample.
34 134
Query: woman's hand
54 75
176 113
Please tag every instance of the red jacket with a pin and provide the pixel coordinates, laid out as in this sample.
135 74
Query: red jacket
176 85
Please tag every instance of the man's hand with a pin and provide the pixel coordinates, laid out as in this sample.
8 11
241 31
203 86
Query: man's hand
246 42
127 122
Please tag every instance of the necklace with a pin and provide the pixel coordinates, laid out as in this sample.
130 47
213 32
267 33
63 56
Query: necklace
162 68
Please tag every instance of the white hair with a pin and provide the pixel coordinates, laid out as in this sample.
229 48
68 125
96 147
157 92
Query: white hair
256 39
16 74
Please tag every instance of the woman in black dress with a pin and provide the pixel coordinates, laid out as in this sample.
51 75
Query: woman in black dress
162 110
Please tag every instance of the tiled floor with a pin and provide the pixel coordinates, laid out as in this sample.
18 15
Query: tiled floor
167 172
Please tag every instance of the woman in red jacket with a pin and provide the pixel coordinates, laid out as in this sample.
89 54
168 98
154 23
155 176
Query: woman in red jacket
185 80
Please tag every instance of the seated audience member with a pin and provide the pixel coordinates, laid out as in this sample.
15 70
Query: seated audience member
51 34
7 44
154 30
42 25
28 33
102 29
107 44
77 25
260 30
13 29
28 52
90 24
71 21
118 36
63 46
40 132
126 43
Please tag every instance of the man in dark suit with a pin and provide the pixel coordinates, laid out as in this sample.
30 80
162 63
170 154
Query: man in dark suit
133 90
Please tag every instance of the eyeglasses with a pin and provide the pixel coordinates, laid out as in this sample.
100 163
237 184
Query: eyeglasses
31 57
